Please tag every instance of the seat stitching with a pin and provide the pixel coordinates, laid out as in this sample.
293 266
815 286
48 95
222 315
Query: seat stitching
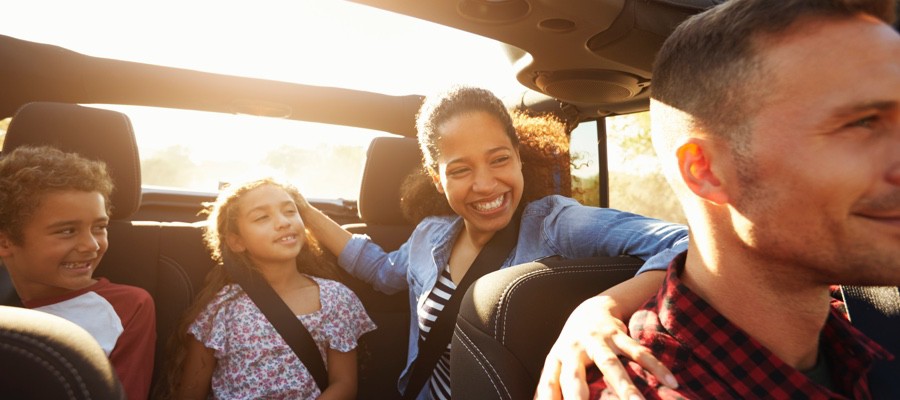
465 342
503 306
44 363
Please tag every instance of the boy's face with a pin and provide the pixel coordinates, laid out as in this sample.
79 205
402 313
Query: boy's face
62 243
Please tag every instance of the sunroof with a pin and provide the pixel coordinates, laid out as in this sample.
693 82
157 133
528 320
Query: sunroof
319 42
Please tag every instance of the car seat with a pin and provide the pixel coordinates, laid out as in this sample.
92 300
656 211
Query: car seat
876 311
43 356
388 161
509 319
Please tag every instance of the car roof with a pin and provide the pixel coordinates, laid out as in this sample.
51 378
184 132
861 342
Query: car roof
581 60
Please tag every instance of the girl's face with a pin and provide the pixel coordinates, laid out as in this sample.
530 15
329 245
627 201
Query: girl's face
479 171
270 230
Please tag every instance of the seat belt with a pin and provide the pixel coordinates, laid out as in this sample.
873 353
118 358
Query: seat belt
876 312
489 259
282 318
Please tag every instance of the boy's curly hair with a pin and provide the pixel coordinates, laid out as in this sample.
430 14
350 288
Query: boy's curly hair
27 174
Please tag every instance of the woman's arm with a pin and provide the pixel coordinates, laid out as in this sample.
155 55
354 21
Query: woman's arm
578 231
596 334
329 233
199 364
341 375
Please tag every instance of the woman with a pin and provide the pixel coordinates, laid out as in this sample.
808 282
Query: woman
471 153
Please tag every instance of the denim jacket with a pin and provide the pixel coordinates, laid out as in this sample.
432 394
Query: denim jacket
553 225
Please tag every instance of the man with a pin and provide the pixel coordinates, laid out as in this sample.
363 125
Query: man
778 126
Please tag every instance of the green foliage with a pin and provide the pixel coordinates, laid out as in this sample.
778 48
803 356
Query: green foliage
171 167
636 183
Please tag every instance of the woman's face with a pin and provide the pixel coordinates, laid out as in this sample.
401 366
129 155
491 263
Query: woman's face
479 171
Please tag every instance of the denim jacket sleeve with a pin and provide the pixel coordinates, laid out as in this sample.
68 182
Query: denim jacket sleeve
386 272
581 231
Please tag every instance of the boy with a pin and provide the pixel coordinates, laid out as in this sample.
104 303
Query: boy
54 210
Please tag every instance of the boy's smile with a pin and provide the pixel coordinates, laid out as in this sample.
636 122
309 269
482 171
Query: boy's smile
62 244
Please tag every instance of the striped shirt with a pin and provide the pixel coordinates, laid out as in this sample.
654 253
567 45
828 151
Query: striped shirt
439 384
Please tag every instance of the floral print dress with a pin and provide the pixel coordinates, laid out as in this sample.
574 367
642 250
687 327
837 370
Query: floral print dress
253 361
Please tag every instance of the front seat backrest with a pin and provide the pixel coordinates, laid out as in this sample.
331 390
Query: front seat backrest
43 356
510 318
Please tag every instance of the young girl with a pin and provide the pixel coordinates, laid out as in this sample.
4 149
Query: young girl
231 349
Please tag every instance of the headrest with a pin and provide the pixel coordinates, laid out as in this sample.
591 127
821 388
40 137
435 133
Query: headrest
91 132
43 356
388 161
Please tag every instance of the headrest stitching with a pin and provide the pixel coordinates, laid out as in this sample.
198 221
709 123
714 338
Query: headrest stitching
505 302
43 346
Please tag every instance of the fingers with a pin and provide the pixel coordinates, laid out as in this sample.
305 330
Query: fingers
572 378
642 355
548 384
614 373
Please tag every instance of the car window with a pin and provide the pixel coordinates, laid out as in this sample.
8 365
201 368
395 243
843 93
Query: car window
585 163
636 182
199 151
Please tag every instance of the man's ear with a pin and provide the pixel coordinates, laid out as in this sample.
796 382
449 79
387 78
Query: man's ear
436 179
235 243
695 163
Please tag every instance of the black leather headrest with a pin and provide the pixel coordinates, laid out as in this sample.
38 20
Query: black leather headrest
91 132
388 161
43 356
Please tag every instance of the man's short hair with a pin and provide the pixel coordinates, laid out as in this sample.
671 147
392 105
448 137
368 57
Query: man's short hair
709 66
27 174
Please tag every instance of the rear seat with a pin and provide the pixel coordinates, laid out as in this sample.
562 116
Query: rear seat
165 258
168 258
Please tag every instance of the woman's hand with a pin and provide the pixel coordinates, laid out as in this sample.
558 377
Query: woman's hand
595 334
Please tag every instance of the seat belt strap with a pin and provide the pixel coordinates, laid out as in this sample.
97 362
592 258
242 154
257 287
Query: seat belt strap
489 259
282 318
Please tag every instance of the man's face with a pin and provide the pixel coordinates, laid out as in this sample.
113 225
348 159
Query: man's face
822 185
62 243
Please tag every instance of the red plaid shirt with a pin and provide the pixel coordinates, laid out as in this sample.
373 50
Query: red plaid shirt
714 359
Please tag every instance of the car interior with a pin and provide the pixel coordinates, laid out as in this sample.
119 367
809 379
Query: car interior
583 61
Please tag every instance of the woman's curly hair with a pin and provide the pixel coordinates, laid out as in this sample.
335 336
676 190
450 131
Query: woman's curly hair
544 147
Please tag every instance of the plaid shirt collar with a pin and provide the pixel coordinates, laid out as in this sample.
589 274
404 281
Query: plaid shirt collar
712 357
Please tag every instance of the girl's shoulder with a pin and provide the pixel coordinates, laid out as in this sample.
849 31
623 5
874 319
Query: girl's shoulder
226 295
